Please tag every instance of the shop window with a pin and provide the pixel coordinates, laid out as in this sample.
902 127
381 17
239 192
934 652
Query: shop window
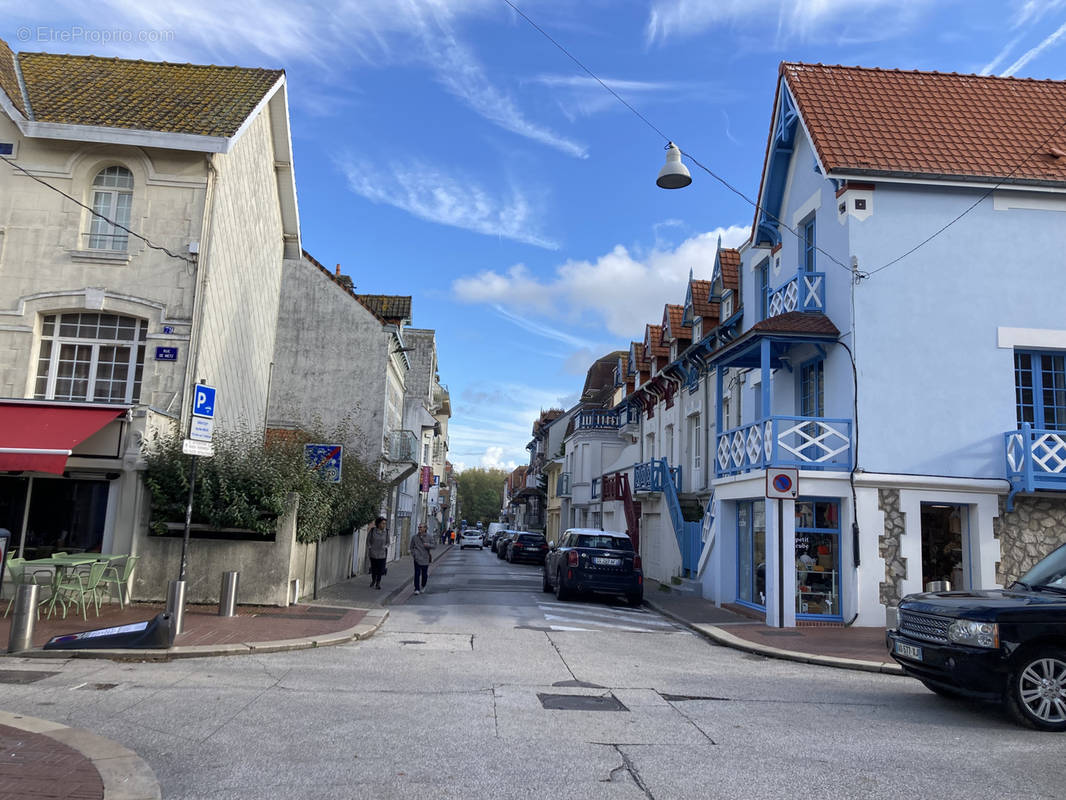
91 357
751 553
1040 389
818 558
112 200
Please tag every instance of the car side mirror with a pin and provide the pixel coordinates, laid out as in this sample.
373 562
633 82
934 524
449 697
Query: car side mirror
551 545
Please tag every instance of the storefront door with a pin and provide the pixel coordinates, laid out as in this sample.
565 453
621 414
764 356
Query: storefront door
944 556
817 559
751 553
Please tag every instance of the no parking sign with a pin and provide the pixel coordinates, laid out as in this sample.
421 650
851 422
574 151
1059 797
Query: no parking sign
782 484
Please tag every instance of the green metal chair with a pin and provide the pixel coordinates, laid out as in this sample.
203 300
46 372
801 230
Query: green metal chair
74 587
112 578
17 573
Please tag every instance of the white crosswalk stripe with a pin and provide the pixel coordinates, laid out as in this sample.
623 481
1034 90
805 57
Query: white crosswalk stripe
591 617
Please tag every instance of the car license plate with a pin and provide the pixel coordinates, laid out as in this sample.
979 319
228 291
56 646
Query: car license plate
907 650
607 562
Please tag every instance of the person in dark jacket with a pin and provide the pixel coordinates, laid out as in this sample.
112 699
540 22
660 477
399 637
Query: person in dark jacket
420 552
377 550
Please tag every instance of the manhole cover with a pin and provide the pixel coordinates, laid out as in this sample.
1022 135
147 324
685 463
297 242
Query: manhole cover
580 702
23 675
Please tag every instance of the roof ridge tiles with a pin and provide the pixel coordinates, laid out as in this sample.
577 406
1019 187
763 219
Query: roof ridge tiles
898 70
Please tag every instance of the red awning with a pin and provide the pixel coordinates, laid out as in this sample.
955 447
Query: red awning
39 438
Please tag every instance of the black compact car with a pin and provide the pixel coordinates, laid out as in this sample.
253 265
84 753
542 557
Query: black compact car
589 560
527 547
1005 645
503 542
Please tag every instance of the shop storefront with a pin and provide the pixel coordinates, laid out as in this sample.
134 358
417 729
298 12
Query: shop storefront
65 515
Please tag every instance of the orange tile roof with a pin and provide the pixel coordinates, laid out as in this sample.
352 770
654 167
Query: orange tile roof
730 261
797 322
9 80
674 314
142 95
653 337
932 124
701 306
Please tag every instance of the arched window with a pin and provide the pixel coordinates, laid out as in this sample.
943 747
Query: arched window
112 198
91 358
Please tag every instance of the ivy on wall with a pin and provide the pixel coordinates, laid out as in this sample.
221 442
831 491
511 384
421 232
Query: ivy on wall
247 484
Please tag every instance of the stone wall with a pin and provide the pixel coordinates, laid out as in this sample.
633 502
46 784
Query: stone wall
1035 527
895 564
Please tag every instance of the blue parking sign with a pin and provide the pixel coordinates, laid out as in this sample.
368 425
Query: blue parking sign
203 401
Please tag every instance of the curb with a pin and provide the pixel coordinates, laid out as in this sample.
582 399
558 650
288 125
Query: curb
372 622
125 774
723 637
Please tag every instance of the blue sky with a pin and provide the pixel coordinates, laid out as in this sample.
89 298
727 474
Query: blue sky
447 150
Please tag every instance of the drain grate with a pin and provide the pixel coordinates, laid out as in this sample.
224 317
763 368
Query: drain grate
580 702
23 675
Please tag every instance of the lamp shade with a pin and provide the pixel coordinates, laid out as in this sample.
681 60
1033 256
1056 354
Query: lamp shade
674 174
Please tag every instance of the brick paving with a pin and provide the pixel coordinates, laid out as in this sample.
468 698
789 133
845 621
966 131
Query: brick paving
203 626
35 766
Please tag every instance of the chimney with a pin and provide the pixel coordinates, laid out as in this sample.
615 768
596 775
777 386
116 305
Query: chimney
338 270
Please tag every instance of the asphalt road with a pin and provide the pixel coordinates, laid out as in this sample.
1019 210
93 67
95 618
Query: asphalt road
484 687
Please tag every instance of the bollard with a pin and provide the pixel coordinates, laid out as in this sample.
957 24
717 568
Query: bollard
227 595
176 605
21 637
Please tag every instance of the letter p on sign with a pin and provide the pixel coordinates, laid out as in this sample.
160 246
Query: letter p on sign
203 401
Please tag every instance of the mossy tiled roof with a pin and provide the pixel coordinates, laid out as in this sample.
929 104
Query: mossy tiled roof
9 80
387 306
193 99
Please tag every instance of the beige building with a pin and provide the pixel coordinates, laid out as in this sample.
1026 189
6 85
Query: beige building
146 213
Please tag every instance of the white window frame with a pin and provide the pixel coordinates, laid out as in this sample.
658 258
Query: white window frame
111 194
137 347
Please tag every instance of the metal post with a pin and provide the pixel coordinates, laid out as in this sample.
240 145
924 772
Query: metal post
188 524
780 563
176 605
25 516
21 637
314 591
227 595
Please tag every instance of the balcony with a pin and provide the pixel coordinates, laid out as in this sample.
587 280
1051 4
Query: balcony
562 485
651 476
401 446
802 442
1036 459
804 291
598 420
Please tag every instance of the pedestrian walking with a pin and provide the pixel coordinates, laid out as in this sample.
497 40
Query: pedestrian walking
377 550
420 552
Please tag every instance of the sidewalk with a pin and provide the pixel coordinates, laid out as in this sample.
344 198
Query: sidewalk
255 629
842 647
41 759
397 585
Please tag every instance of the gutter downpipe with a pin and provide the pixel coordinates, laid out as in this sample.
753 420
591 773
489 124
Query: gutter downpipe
192 366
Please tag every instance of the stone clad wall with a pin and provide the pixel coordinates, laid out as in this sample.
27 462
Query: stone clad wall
895 564
1035 527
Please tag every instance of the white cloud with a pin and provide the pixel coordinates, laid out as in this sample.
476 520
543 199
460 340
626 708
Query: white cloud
493 459
1001 56
795 19
430 193
617 289
1034 10
1033 52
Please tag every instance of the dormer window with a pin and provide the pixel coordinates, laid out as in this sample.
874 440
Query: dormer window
727 305
112 199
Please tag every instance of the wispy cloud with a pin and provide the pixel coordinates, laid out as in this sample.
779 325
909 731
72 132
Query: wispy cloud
1001 56
793 19
432 194
1034 10
539 329
1050 40
618 290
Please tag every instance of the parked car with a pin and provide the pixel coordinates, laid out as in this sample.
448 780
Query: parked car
527 547
503 542
589 560
1004 645
496 539
471 537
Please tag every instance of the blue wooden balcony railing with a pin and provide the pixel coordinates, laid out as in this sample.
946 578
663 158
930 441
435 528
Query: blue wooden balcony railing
598 419
803 442
658 476
804 291
1036 459
650 476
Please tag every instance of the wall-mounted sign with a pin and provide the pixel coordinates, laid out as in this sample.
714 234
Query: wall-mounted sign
166 354
168 329
782 483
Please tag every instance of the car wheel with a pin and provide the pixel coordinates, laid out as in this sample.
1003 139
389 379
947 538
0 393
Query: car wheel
546 585
561 592
636 599
1036 694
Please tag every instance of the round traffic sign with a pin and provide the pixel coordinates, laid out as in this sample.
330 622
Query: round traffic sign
782 483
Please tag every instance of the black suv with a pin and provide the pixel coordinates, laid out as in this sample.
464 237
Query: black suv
527 547
588 560
1005 645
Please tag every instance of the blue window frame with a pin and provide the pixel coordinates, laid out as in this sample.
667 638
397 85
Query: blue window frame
762 273
818 558
751 553
812 388
807 256
1040 389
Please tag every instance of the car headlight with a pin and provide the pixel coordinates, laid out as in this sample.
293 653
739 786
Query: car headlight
975 634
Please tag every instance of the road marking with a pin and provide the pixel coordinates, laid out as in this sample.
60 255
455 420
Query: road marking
626 614
599 624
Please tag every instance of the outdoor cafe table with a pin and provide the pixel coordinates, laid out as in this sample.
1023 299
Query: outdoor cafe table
60 564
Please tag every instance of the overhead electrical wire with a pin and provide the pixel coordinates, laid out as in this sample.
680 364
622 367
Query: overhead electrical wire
858 274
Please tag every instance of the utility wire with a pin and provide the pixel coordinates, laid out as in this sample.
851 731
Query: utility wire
858 274
96 213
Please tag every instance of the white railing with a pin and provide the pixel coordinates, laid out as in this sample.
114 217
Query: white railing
803 442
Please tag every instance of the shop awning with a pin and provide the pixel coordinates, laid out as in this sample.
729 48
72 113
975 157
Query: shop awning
40 438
